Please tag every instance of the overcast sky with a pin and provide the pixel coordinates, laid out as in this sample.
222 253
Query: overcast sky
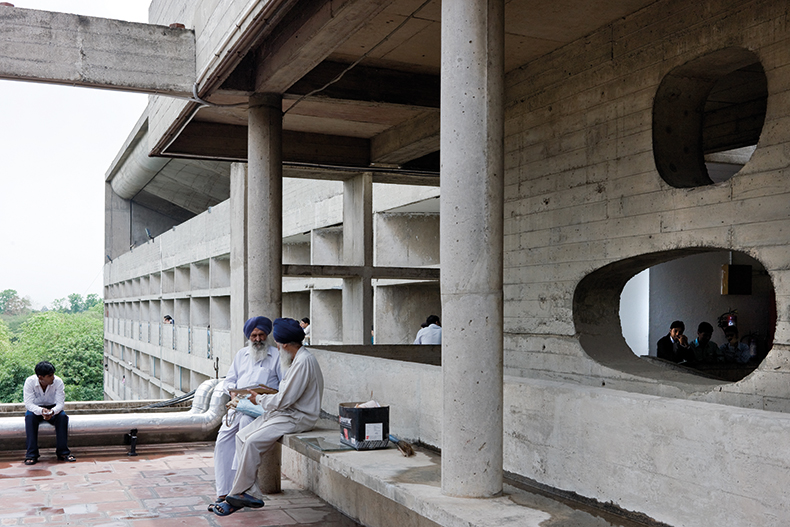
56 144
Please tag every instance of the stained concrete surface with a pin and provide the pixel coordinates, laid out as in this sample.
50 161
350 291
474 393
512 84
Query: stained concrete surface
172 485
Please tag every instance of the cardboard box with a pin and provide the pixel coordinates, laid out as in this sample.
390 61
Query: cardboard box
364 428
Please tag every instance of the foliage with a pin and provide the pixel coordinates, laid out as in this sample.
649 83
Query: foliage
74 343
5 338
74 303
12 304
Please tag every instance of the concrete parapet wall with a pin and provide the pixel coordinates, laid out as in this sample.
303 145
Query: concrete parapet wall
680 462
583 191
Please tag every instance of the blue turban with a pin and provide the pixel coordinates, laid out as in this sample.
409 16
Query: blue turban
287 330
262 323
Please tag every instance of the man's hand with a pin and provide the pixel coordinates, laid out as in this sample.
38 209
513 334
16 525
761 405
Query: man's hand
47 414
254 398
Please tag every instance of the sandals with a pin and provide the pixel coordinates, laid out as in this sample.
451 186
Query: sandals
69 458
222 508
30 461
212 506
244 500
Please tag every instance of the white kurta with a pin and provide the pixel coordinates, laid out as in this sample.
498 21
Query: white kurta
429 335
295 408
243 372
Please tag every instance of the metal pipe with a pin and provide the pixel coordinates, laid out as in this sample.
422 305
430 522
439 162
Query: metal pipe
200 423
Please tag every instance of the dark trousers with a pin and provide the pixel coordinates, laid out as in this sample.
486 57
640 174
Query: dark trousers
61 423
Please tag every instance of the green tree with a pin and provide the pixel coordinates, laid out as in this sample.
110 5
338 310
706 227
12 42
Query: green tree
73 343
74 303
12 304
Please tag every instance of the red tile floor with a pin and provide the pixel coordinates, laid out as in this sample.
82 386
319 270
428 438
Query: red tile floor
165 485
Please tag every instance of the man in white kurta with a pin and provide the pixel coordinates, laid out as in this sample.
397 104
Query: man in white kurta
257 363
295 408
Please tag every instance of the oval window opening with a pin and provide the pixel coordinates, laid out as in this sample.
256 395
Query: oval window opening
707 117
625 314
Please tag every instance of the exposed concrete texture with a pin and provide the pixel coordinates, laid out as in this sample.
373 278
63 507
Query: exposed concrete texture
714 464
264 206
400 309
326 246
407 239
592 197
358 250
117 223
96 52
326 316
238 254
472 171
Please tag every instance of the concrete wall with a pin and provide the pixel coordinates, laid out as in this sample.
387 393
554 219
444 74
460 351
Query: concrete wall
680 462
407 240
583 195
400 309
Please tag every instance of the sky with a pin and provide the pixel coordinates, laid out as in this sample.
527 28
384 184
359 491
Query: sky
56 144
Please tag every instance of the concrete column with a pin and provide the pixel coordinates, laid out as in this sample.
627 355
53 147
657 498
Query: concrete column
264 206
265 233
471 222
358 250
238 260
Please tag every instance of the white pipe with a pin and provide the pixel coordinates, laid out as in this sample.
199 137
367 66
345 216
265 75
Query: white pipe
200 423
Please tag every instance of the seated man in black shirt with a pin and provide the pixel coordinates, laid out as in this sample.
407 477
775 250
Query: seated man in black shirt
674 347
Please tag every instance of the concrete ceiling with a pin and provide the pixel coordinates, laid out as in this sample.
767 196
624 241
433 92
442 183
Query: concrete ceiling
384 109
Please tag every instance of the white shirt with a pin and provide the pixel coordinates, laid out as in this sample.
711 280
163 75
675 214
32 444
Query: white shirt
300 392
244 372
306 334
430 335
35 397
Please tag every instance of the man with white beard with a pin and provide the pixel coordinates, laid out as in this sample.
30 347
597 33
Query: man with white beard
257 363
295 408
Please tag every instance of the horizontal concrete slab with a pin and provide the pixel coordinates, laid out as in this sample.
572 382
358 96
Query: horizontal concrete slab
77 50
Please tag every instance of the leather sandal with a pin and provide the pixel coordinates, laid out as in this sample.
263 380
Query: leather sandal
30 461
69 458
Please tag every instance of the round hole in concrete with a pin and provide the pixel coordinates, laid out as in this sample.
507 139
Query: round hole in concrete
707 117
623 309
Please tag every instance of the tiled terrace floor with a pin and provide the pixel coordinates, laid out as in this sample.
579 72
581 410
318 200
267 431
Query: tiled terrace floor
165 485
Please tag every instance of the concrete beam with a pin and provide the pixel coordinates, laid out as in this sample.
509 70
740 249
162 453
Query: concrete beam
422 354
229 143
309 33
77 50
350 271
413 139
368 84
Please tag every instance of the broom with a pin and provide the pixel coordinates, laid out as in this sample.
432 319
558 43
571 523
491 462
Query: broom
405 448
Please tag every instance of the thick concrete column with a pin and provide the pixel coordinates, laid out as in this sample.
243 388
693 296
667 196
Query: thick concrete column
264 206
358 250
265 233
471 222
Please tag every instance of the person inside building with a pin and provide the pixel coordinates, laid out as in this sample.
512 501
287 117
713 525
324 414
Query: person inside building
45 396
431 333
734 350
257 363
705 350
305 324
295 408
674 346
167 319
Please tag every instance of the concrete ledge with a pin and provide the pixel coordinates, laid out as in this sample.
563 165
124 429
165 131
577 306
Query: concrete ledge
384 488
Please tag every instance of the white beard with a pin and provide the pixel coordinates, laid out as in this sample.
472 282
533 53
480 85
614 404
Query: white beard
259 350
286 359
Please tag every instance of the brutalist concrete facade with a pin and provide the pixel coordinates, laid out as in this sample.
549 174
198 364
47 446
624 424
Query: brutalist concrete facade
579 147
